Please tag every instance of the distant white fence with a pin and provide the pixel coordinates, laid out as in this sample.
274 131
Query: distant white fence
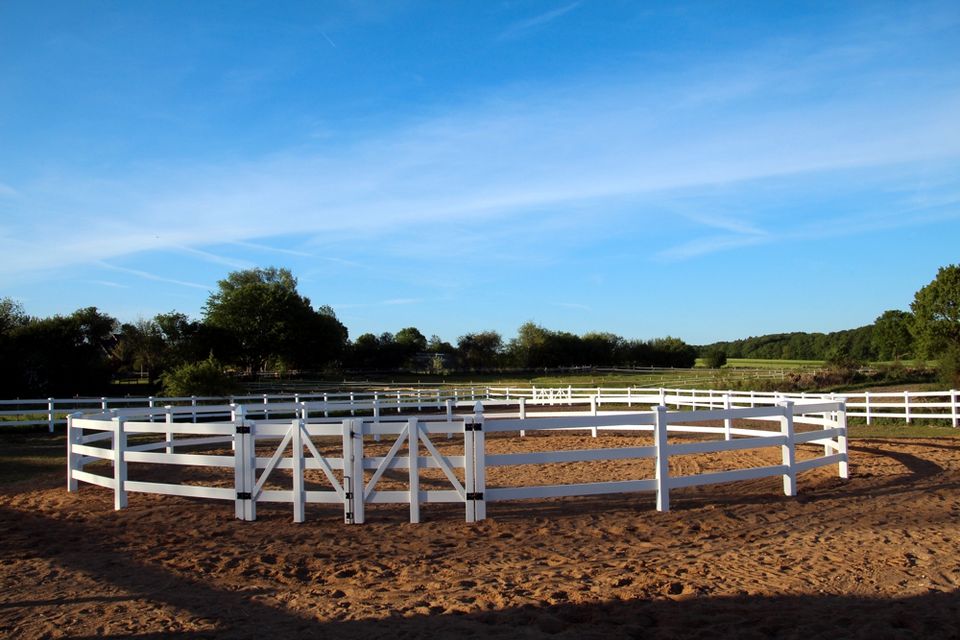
906 406
296 439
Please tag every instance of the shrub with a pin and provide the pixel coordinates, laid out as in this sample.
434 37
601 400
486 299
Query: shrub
950 367
203 378
715 358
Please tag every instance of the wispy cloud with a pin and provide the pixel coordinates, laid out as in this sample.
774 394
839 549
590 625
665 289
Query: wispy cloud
840 226
327 38
108 283
268 249
518 28
152 276
217 259
703 246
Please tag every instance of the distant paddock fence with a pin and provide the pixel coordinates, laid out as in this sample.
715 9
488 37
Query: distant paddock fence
248 460
936 407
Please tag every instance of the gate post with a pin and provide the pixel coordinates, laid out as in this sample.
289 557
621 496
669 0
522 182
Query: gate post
244 465
413 447
480 463
353 471
348 487
299 494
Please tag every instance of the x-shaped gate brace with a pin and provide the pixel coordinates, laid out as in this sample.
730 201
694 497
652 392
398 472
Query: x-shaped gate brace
353 492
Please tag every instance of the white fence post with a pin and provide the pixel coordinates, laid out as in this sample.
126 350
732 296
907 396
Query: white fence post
359 483
193 403
843 467
727 422
299 493
906 405
479 463
413 438
953 408
348 482
352 410
326 407
169 422
663 458
51 415
523 415
469 472
73 459
449 408
594 401
787 450
866 402
244 464
119 464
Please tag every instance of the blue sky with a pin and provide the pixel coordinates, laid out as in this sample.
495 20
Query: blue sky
709 171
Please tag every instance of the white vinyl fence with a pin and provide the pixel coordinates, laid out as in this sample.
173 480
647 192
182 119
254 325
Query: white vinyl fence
297 435
907 406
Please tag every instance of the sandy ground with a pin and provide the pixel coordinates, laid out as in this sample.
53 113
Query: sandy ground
872 557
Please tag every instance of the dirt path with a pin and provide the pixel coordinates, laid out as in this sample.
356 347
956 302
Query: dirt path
872 557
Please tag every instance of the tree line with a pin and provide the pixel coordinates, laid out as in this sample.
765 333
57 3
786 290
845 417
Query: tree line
257 321
929 330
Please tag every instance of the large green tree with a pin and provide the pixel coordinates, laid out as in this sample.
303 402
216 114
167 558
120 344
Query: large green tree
271 323
892 338
480 350
936 312
12 315
60 355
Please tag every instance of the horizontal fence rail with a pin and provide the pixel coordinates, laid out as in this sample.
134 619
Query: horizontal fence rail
241 454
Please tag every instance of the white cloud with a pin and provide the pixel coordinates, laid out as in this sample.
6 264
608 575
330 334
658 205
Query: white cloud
523 26
152 276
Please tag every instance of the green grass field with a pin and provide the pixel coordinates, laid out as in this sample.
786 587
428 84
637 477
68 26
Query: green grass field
756 363
25 454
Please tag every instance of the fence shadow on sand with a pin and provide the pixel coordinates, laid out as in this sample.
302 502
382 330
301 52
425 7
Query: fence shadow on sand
76 548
